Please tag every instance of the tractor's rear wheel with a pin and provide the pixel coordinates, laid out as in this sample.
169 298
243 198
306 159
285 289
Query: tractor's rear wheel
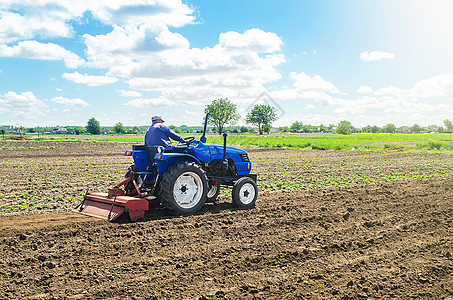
245 192
184 188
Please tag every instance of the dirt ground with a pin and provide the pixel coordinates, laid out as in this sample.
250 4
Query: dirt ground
327 224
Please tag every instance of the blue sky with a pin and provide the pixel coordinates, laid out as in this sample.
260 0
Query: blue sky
368 62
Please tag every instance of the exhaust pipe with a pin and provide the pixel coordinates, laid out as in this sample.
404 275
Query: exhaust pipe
203 137
225 160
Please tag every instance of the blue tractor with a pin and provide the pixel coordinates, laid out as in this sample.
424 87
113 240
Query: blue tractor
181 178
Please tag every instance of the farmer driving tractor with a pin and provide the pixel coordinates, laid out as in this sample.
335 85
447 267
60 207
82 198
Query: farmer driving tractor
159 135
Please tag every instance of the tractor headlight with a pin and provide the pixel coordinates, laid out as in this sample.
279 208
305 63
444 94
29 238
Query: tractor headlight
245 158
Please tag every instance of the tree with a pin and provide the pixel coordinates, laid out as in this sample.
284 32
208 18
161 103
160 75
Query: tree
344 127
221 112
175 128
415 128
119 128
296 127
244 129
389 128
267 128
307 128
449 125
79 130
2 131
440 129
261 115
93 126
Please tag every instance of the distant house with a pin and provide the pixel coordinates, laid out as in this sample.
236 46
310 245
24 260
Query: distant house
60 130
17 131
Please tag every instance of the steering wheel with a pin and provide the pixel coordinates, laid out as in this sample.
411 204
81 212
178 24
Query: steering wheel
187 141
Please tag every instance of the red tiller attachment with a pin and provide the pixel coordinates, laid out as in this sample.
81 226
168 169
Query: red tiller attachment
113 204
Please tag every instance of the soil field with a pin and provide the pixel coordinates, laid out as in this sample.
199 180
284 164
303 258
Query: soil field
327 224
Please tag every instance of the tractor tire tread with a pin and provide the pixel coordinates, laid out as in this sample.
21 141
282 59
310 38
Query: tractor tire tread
236 190
166 187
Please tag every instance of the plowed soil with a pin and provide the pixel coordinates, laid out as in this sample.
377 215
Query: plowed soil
327 224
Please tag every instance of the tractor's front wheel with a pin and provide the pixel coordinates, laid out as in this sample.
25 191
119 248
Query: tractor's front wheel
245 192
183 189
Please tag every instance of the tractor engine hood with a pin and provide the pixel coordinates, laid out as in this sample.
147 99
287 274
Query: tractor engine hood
231 152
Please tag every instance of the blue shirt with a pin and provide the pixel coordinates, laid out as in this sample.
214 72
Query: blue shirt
159 135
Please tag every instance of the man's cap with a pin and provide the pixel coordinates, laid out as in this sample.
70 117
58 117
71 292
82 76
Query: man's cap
154 118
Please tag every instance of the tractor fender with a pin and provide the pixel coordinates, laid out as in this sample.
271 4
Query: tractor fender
166 160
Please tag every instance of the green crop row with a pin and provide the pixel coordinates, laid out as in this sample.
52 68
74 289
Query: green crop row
418 142
346 180
423 142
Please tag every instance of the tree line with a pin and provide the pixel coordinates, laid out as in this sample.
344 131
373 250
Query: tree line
222 112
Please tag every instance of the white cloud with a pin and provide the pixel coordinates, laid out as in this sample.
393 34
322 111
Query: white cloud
24 105
310 107
391 91
253 39
304 82
30 19
375 55
194 114
427 88
37 50
434 86
399 106
124 93
307 87
149 102
89 80
287 94
364 90
76 102
131 40
169 12
356 106
200 75
15 27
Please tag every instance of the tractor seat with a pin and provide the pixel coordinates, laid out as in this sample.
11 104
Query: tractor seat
153 150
